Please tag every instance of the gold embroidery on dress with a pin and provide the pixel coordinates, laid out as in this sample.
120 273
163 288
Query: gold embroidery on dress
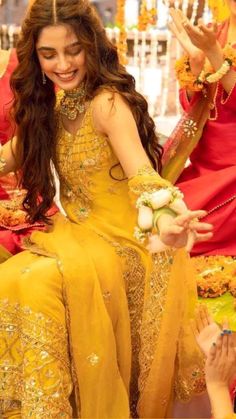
34 364
134 276
192 383
138 184
155 296
72 361
78 157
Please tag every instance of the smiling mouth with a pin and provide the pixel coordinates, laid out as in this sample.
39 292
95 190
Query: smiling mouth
66 76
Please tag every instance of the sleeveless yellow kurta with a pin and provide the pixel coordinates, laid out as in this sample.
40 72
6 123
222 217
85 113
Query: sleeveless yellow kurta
92 325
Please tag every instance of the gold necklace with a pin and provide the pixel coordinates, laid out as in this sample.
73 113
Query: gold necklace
73 102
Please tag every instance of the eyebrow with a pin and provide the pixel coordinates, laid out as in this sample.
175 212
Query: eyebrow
53 49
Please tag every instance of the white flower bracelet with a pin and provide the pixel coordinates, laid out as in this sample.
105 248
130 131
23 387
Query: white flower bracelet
151 205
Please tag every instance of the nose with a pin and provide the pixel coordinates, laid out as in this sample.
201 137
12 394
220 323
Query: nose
63 63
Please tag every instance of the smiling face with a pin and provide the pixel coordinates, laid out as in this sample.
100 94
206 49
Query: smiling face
61 56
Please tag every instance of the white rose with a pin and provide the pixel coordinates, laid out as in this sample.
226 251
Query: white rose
160 198
178 206
145 218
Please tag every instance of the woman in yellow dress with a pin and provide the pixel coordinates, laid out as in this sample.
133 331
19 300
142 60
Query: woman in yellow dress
86 312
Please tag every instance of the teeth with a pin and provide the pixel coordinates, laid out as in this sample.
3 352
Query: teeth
65 76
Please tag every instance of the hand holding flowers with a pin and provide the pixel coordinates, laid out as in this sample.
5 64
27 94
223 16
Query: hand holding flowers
164 221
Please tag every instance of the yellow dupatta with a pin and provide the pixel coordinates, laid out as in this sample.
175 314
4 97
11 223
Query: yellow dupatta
188 132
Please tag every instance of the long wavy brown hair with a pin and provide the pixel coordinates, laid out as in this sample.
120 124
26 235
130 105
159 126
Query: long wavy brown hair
34 104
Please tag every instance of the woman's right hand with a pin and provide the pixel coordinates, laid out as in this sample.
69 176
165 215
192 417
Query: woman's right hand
195 54
220 369
220 365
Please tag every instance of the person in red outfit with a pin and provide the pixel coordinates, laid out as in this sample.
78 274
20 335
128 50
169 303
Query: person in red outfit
13 224
206 136
209 124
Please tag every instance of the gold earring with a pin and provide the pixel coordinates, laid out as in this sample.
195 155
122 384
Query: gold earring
44 78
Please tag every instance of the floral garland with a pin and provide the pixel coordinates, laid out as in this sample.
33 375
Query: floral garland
185 76
11 218
147 16
150 206
122 38
219 9
189 81
216 275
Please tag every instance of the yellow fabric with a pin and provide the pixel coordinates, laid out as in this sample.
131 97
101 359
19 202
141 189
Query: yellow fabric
4 60
4 254
67 304
220 9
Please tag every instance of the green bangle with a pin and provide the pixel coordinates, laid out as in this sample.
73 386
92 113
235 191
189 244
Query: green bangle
157 214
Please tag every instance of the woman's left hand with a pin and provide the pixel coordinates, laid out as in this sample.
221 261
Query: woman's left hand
184 230
202 36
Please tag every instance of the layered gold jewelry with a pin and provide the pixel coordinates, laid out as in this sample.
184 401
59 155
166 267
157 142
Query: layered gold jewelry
73 102
2 160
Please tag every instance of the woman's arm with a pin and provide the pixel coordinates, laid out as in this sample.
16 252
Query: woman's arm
113 117
7 157
205 38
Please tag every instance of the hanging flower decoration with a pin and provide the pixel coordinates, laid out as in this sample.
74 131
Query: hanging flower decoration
147 16
122 38
219 9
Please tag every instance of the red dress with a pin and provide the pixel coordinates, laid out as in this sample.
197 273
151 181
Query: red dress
209 182
11 231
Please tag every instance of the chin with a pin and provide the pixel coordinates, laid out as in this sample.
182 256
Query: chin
68 85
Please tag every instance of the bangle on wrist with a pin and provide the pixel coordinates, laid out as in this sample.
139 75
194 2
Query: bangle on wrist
162 211
151 205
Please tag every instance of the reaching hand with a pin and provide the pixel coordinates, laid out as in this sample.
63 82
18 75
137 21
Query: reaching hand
206 331
178 29
220 365
201 36
183 231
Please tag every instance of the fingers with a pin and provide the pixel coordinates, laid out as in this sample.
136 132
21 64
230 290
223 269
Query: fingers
212 353
206 314
175 229
200 318
207 30
219 344
189 216
197 225
173 29
194 328
225 324
224 349
190 241
231 349
203 237
176 18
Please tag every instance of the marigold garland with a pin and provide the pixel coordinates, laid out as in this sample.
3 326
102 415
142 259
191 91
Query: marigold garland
147 16
216 275
189 81
220 10
122 39
11 218
185 76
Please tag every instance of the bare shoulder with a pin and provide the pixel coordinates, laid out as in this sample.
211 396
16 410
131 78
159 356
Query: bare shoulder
108 106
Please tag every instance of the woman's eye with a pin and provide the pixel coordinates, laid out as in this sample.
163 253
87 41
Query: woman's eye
75 51
48 57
